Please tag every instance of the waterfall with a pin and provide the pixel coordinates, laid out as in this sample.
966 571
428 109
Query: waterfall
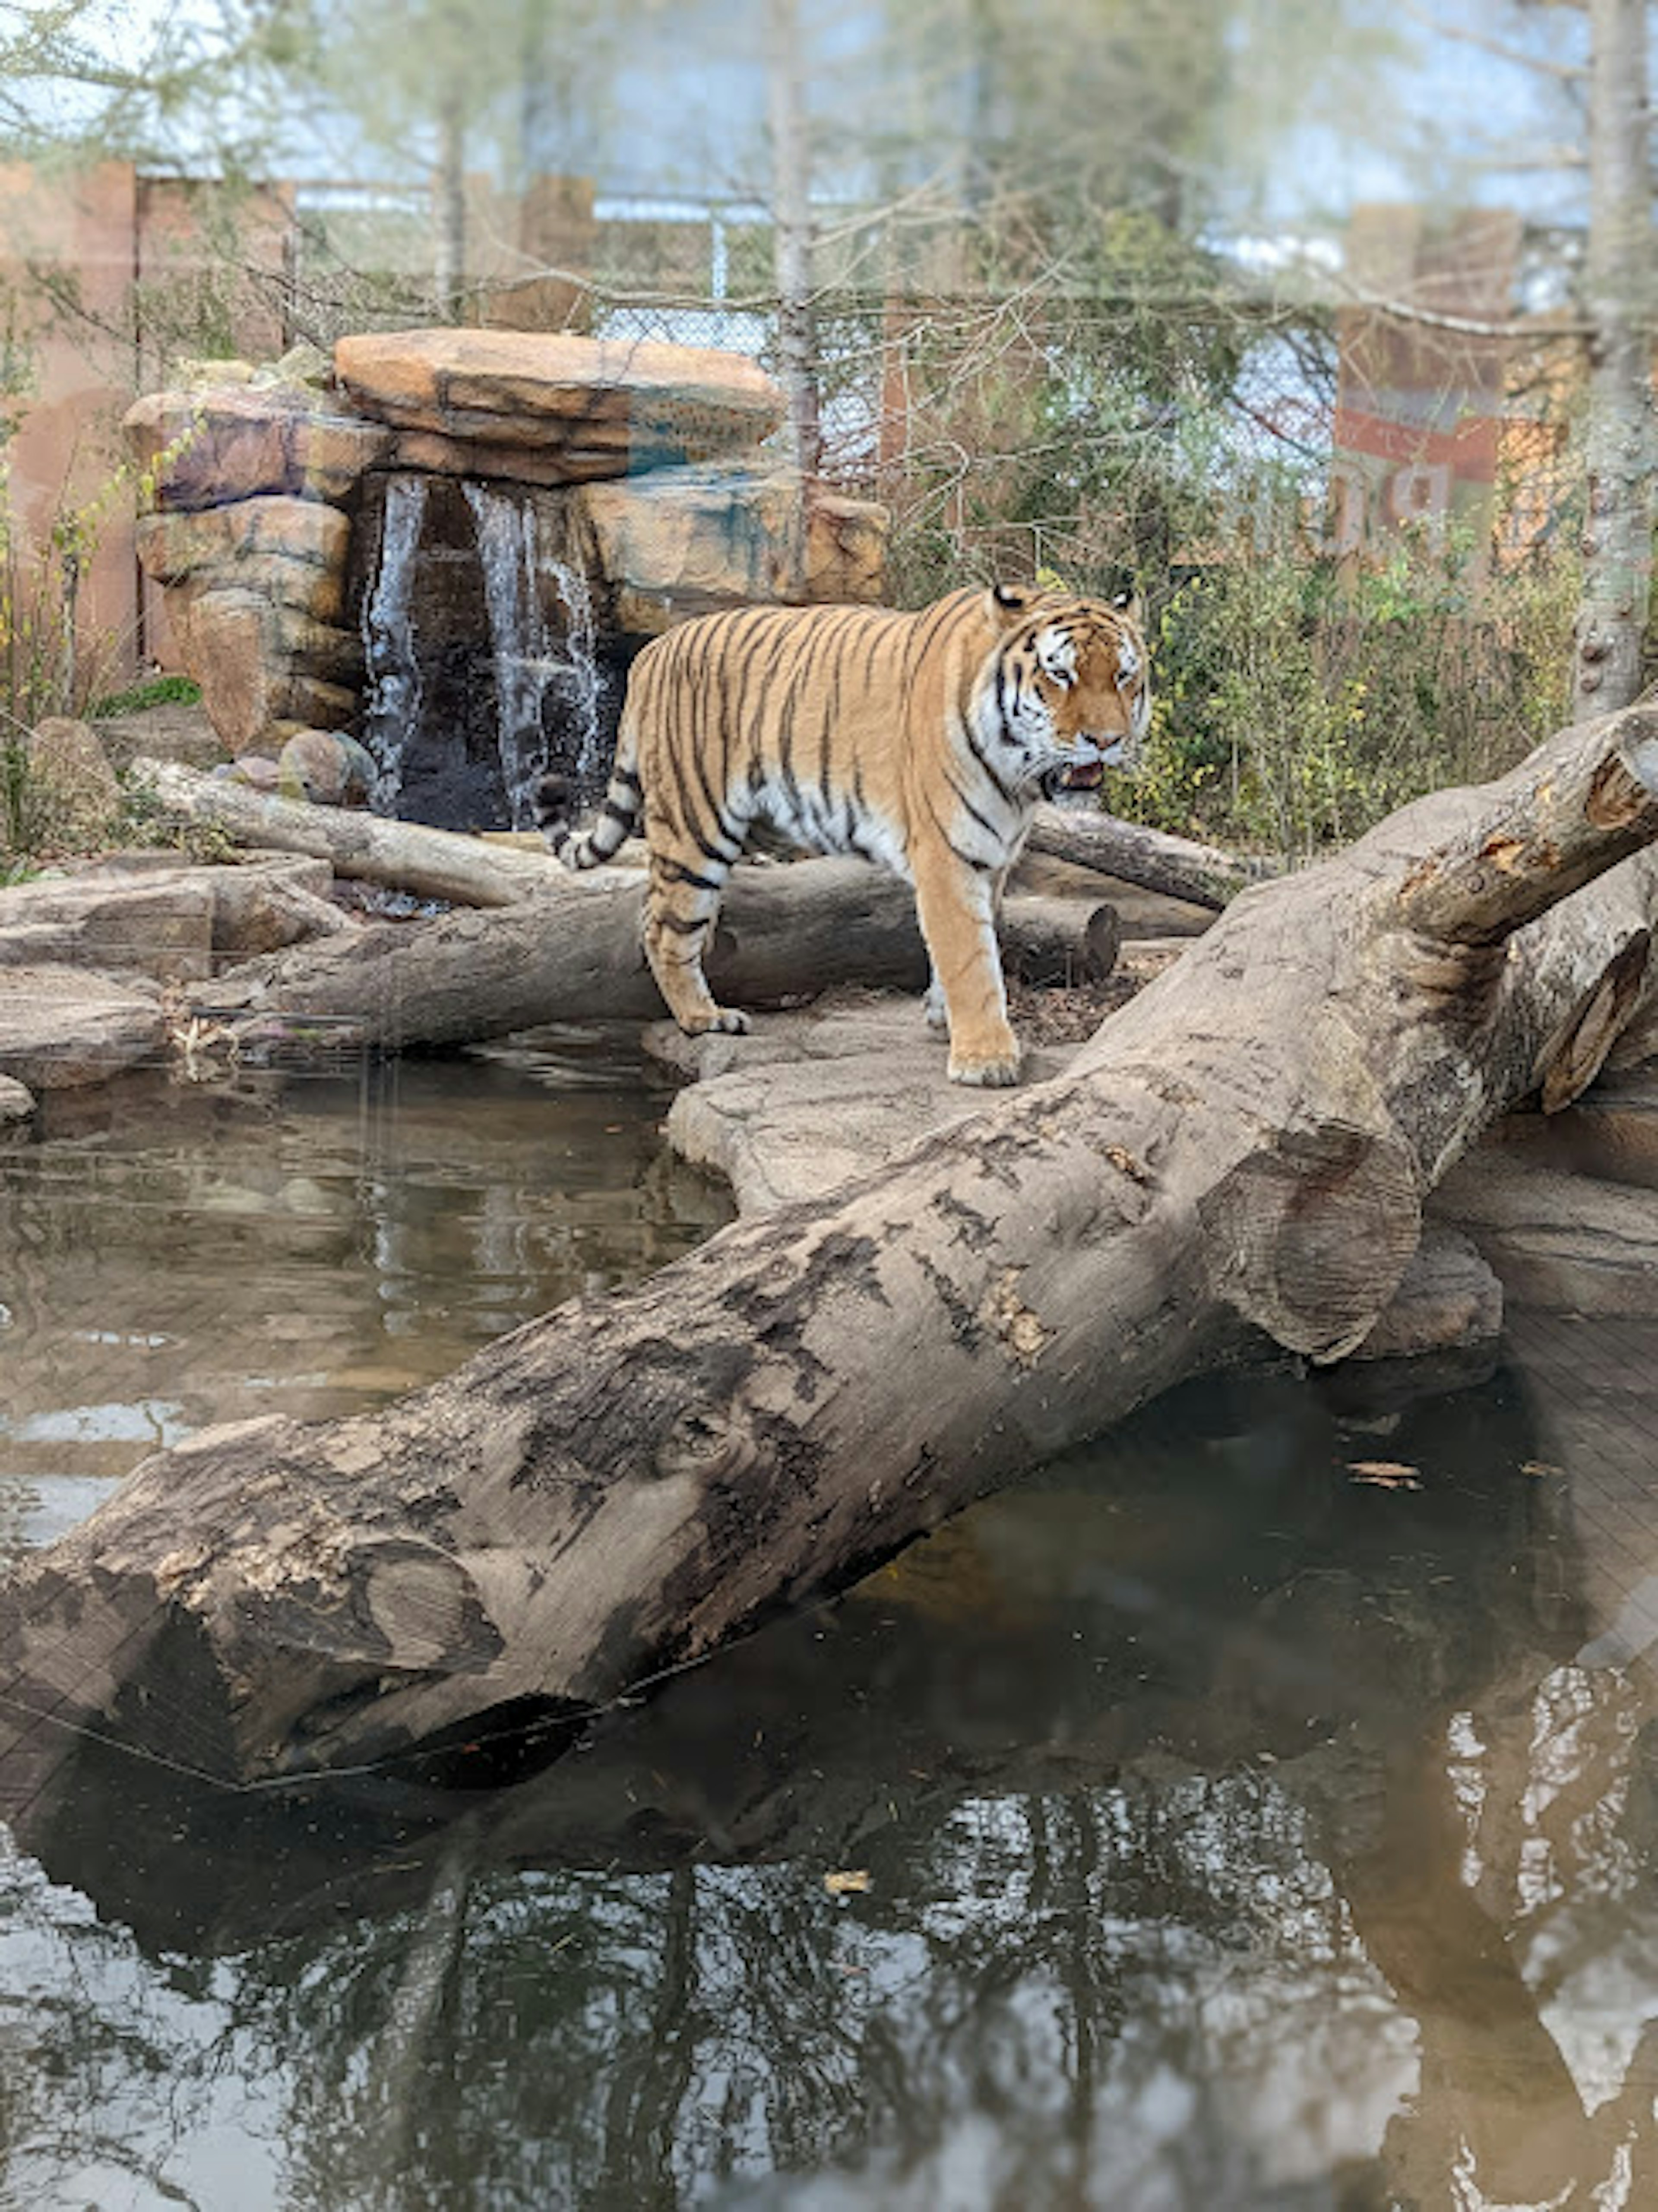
531 663
392 696
581 678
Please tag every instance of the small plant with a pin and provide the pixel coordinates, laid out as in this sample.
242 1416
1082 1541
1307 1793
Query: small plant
138 698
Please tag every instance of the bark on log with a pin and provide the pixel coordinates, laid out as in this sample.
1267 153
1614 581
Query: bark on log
614 1490
1056 941
573 953
403 855
1174 865
469 871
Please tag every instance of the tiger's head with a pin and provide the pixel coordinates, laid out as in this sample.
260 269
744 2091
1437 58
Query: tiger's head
1072 684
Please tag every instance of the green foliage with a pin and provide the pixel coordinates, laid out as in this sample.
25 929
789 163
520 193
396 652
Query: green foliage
1297 705
136 698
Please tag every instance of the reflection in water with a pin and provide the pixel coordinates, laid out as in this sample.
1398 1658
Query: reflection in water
1244 1827
172 1256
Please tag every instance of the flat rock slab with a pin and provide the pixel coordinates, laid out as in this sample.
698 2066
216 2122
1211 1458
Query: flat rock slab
810 1100
175 922
1560 1243
634 405
60 1028
224 443
1611 1132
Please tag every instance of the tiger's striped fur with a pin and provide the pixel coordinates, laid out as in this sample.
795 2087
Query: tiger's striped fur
921 742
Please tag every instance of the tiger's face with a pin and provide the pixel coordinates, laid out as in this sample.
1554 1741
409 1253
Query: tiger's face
1075 686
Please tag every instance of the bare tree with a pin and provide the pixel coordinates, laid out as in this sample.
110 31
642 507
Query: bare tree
1620 455
791 158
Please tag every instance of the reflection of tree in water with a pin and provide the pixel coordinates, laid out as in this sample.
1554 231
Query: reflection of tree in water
1232 1830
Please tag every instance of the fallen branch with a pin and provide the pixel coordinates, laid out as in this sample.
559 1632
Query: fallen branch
1174 865
434 864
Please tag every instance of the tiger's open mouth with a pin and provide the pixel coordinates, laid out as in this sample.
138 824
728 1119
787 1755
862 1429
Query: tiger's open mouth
1073 783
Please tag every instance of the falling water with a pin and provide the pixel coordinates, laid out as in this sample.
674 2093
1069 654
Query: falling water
391 699
581 679
532 665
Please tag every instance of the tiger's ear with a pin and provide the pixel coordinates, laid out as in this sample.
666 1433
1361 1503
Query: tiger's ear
1132 604
1008 602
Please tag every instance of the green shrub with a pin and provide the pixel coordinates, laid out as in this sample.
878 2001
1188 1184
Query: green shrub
1298 705
157 691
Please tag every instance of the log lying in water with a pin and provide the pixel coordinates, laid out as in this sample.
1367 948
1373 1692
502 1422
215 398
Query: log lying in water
1240 1155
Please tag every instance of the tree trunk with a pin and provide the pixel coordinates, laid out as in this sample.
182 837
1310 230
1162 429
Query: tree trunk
1238 1159
449 210
403 856
791 217
573 954
1620 451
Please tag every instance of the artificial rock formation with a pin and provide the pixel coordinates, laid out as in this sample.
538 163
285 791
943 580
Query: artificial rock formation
454 550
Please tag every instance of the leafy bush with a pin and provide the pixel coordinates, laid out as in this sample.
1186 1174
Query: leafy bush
1297 704
137 698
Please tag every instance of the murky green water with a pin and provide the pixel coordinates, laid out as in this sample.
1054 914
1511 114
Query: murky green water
1257 1810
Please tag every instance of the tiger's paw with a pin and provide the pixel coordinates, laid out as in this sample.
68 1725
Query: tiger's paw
719 1021
991 1072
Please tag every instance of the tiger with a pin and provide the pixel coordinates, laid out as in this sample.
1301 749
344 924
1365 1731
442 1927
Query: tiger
920 741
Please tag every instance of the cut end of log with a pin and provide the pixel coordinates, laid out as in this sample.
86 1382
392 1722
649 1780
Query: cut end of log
1309 1239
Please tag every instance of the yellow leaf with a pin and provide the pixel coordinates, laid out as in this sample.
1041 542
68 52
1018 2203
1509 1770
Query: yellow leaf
1386 1473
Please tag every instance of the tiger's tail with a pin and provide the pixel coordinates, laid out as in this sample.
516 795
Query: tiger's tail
618 815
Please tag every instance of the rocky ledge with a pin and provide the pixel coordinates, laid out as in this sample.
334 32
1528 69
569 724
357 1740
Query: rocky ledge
645 466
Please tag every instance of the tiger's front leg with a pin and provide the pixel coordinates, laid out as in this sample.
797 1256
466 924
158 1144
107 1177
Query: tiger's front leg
682 904
956 906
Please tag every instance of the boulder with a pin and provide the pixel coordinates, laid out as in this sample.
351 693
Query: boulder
61 1028
326 767
168 920
175 730
813 1099
261 665
296 548
679 542
1559 1242
253 771
648 405
211 449
158 923
17 1105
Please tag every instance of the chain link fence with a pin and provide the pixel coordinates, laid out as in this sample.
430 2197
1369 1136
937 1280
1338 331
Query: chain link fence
1353 523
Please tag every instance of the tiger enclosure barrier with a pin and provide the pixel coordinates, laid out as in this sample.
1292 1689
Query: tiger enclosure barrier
1234 1166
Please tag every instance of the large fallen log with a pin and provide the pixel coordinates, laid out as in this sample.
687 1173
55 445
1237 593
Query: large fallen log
474 871
574 953
1239 1157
